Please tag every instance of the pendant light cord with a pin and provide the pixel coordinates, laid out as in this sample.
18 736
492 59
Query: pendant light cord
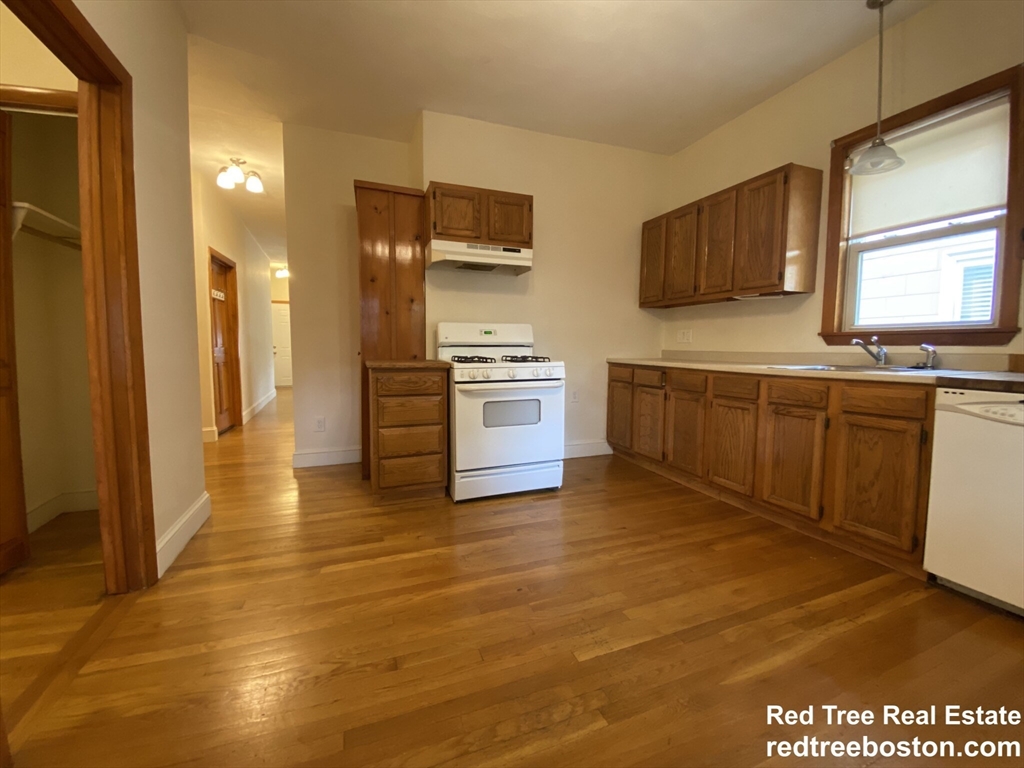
878 124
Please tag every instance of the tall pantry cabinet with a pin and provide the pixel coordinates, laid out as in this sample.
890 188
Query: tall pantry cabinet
391 222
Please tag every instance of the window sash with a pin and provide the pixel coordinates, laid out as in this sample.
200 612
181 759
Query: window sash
873 242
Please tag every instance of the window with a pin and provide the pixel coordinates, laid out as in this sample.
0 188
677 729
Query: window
931 251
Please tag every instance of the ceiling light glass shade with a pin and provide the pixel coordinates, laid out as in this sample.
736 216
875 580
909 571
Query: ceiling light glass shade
283 272
224 179
878 158
235 172
253 182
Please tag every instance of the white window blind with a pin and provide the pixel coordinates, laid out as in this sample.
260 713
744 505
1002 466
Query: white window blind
953 166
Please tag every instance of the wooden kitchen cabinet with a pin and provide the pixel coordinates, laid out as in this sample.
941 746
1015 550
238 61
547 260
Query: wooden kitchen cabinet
732 444
652 262
793 458
717 243
649 421
876 483
620 413
759 237
408 428
684 432
476 215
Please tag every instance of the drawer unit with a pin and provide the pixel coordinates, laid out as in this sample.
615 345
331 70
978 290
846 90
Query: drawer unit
688 381
646 377
620 373
810 394
408 428
908 402
736 387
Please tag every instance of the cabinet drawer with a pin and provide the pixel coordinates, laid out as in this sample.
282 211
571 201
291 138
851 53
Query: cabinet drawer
411 470
409 411
409 383
739 387
882 401
688 381
619 373
645 377
410 441
806 393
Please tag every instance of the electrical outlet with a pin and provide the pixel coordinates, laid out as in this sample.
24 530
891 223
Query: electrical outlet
684 337
321 423
575 396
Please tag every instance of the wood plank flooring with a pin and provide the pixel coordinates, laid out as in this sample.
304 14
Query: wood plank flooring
623 620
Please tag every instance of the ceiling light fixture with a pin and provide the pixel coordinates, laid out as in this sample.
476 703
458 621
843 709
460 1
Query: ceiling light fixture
879 157
253 182
282 273
231 175
224 179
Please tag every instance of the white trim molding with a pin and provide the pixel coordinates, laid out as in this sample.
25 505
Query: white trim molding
72 501
258 406
581 448
170 545
209 434
309 458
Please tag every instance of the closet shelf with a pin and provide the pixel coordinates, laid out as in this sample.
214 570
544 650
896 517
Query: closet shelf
34 221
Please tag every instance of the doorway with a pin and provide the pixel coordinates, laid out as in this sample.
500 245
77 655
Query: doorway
227 366
282 330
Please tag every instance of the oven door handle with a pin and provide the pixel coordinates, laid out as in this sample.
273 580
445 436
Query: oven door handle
509 386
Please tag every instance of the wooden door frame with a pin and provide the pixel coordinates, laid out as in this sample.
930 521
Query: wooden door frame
110 259
232 349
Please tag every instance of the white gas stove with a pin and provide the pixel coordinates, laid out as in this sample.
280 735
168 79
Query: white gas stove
507 410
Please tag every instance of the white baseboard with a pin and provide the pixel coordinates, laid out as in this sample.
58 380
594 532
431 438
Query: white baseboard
258 406
583 448
209 434
170 545
73 501
303 459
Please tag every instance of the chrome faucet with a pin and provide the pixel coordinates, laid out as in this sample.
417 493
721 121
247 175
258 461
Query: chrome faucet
879 356
930 353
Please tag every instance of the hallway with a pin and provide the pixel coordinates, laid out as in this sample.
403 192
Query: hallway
304 626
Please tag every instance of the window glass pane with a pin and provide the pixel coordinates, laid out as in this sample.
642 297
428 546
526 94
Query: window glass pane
951 167
939 280
511 413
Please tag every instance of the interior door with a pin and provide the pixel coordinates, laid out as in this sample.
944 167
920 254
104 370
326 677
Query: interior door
716 246
220 326
13 521
282 332
759 211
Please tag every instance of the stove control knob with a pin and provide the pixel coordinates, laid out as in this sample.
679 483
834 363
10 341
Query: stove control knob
536 373
487 374
472 374
511 373
547 371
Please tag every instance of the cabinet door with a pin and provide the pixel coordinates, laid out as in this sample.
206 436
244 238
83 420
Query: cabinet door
681 253
717 234
457 212
684 432
794 458
620 413
510 218
877 479
649 422
759 250
732 445
652 261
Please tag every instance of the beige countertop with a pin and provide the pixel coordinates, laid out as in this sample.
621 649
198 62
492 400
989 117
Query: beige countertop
989 380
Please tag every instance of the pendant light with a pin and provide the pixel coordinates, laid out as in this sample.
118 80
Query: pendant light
224 180
253 182
282 272
879 157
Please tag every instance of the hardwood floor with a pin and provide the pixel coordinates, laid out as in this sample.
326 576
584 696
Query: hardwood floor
623 620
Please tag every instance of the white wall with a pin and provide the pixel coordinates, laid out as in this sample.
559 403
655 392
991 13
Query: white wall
945 46
150 41
49 324
581 295
217 226
27 62
323 259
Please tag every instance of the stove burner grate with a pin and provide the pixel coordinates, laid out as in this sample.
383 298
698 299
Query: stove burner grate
524 358
472 359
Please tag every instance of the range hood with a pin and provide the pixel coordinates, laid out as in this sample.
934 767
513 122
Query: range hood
477 257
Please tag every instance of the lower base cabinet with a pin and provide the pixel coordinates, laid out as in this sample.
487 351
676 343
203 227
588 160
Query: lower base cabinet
849 459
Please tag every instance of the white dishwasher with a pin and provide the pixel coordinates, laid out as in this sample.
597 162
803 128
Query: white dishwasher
975 536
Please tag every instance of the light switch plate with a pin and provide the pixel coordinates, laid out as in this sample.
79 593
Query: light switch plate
684 337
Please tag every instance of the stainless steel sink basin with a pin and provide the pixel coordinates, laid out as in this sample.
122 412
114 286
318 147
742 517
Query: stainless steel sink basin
857 368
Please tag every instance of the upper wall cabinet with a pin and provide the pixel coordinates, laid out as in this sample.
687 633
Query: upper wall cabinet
474 215
758 237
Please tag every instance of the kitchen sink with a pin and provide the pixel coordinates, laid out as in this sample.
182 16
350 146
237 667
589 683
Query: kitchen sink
856 368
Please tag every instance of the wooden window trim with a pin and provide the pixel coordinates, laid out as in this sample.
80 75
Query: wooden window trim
1008 280
110 260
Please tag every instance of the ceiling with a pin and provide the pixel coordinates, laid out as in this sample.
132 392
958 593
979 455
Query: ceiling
652 75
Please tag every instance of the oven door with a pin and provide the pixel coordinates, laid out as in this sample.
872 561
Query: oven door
508 423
